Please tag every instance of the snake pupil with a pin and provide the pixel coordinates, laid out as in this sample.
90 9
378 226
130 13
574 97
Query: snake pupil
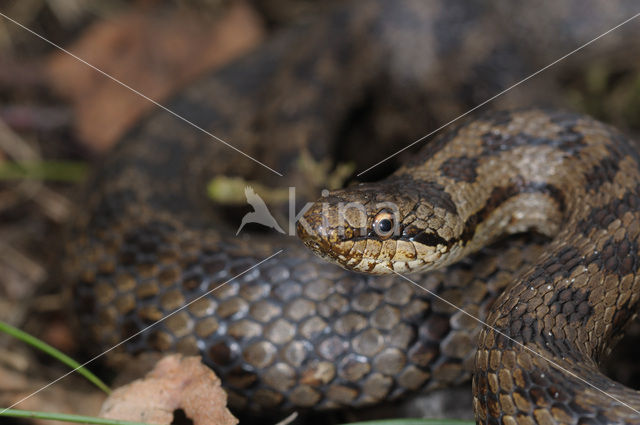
385 225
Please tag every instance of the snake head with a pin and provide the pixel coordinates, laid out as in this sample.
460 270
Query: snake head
379 228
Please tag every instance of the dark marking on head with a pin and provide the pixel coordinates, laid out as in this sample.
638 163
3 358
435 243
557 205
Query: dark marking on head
431 192
437 196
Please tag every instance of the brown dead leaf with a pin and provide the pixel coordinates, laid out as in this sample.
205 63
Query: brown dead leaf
153 52
176 382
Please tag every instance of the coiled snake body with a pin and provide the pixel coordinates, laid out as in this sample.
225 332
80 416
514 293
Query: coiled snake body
296 332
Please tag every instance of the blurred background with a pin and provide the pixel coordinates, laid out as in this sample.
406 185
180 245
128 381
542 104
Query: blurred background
58 116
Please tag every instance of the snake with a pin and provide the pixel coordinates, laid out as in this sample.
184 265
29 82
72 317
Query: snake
506 248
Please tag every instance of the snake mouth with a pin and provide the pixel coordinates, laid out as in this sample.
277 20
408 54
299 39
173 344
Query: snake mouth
314 240
316 244
347 260
353 256
321 251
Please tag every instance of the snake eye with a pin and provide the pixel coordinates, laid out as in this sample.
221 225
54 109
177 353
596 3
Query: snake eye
384 224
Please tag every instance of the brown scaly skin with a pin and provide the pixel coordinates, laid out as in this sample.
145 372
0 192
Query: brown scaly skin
298 333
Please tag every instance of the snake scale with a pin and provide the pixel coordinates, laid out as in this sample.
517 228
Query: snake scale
296 332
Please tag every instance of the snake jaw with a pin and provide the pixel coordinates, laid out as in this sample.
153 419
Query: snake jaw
319 243
367 255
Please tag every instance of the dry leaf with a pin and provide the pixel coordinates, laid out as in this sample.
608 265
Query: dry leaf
176 382
155 53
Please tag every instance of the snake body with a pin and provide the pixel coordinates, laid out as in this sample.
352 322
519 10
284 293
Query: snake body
298 333
563 175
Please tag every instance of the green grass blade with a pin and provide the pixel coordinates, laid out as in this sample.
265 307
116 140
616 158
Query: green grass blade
415 422
64 417
61 171
43 346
